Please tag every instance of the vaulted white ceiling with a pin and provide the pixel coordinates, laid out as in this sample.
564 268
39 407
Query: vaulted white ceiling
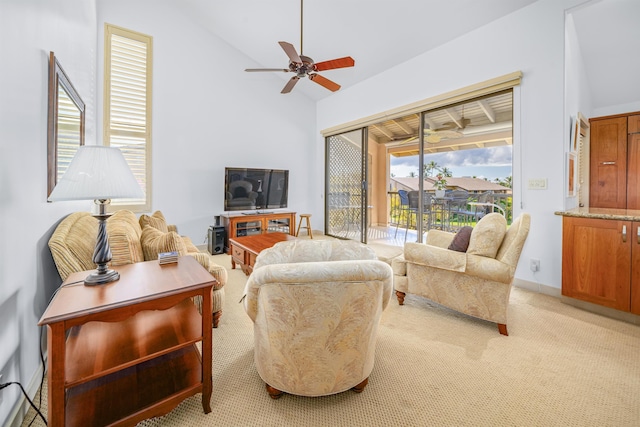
379 34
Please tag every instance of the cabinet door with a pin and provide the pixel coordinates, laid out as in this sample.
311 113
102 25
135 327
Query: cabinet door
633 172
608 166
596 261
633 124
635 269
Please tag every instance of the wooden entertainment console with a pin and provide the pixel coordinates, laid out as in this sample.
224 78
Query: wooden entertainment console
240 224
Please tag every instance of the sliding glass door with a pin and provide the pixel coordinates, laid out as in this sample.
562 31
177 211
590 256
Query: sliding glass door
346 185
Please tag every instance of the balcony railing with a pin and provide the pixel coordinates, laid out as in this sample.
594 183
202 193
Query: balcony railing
448 213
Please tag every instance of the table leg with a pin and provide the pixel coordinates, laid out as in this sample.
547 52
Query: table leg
55 374
207 350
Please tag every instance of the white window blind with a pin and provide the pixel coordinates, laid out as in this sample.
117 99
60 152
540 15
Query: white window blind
127 109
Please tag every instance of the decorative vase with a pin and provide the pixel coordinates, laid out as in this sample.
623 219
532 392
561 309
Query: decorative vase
440 194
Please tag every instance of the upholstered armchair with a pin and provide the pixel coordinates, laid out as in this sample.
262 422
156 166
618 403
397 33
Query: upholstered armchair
476 282
316 306
131 240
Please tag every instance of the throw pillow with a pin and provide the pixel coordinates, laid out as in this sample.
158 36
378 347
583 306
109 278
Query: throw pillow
460 241
156 221
155 241
487 235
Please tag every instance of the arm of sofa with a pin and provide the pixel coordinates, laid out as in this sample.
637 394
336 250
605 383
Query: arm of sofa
217 271
317 272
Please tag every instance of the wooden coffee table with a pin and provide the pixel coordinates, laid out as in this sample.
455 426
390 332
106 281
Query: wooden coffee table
245 250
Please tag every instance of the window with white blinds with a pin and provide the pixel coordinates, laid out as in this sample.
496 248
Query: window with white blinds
127 105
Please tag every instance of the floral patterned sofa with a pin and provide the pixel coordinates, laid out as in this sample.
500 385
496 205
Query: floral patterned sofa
316 306
131 240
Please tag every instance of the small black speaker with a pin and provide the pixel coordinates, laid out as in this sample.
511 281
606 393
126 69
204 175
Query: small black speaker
216 240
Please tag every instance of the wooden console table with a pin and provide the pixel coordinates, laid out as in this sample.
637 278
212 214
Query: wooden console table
126 351
240 225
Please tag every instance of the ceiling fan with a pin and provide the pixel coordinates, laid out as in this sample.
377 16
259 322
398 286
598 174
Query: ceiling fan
303 66
448 130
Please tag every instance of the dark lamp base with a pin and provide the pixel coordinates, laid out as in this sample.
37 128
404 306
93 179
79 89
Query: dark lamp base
101 278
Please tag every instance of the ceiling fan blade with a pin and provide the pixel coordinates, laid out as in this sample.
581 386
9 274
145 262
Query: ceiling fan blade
323 81
290 84
332 64
252 70
291 52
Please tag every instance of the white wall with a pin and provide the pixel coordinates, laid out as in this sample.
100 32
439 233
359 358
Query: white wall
28 31
208 113
530 40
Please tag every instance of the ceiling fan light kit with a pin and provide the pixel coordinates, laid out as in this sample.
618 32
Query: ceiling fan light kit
303 66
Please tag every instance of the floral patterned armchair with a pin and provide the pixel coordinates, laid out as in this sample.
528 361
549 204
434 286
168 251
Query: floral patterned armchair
316 306
476 282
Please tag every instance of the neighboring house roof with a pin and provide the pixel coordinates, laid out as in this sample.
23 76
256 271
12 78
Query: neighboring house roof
475 185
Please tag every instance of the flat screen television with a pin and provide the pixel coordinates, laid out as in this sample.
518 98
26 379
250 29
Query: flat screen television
255 189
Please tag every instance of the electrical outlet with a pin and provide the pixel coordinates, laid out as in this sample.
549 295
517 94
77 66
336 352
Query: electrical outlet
534 265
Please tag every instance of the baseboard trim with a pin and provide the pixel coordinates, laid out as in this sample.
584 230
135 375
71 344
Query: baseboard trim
623 316
537 287
16 417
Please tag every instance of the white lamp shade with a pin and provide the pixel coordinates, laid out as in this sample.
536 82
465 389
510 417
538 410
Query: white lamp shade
97 173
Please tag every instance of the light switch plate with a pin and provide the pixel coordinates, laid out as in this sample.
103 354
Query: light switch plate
537 184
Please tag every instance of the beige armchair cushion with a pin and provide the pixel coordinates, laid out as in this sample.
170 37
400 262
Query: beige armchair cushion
487 235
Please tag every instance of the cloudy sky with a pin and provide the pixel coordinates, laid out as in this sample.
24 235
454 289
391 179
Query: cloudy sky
487 163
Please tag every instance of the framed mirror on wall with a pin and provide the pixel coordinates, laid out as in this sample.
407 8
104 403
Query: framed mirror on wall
65 123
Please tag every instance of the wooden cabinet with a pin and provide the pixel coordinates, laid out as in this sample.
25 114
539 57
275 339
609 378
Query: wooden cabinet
615 162
601 262
240 225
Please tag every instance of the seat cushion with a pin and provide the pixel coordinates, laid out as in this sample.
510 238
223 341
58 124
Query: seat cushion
487 235
156 220
155 241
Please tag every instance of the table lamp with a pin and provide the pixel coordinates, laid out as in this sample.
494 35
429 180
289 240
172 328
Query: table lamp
98 173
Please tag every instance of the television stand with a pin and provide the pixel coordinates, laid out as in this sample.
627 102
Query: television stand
251 224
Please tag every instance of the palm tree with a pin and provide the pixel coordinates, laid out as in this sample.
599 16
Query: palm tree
446 171
412 174
430 167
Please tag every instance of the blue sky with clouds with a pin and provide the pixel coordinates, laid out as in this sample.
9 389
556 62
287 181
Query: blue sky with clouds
490 163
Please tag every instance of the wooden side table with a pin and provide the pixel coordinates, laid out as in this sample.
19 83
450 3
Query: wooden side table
126 351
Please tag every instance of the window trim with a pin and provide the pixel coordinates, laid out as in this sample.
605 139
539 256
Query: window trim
109 31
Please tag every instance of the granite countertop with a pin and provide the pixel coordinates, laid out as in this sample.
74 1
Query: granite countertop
602 213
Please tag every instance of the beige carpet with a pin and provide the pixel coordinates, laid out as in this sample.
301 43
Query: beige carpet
560 366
